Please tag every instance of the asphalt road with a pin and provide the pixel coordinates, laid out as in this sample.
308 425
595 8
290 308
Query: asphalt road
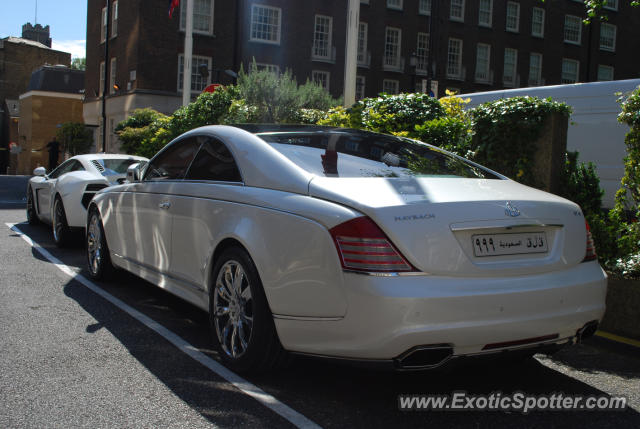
71 358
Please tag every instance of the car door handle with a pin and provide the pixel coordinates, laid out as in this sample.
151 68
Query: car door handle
165 205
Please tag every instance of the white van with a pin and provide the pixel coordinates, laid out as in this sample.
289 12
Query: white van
594 130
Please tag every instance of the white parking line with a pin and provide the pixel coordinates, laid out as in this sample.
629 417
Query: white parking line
240 383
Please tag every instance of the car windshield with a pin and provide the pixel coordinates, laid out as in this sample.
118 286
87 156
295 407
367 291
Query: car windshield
110 167
347 154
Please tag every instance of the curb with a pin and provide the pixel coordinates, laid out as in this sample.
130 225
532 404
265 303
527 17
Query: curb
618 338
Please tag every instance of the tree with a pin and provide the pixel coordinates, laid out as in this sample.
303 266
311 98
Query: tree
594 8
79 63
75 137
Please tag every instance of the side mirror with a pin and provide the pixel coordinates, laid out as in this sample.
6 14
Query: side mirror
40 171
134 172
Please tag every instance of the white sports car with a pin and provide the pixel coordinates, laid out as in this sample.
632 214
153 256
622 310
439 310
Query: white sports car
350 244
61 197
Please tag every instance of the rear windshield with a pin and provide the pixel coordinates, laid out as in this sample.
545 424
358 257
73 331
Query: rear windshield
114 166
337 154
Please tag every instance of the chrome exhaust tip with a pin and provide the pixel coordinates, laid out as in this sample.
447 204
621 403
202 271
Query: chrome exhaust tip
424 357
588 330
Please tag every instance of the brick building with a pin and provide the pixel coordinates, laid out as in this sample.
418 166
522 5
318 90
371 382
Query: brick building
54 96
475 45
19 57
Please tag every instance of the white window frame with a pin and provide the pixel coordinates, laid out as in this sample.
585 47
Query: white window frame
103 25
273 68
611 5
195 75
424 7
102 77
535 75
114 19
393 82
483 75
510 82
325 81
490 11
457 72
394 4
113 68
254 8
577 73
607 47
533 14
510 6
360 87
322 52
183 18
458 3
392 62
363 36
568 19
422 53
610 69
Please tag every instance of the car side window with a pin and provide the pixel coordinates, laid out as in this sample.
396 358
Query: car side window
214 162
172 163
66 167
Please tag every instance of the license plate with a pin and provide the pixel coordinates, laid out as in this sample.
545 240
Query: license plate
509 244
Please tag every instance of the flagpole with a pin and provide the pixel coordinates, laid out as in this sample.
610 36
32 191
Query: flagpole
351 53
188 55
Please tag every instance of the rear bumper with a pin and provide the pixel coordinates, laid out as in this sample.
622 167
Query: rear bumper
387 316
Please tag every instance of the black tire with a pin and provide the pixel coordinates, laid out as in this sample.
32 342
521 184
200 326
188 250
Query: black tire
32 216
61 230
97 250
260 350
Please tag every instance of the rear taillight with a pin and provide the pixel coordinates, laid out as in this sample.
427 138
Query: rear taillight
591 247
362 246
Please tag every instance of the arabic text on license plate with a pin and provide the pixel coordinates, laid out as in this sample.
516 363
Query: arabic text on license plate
509 244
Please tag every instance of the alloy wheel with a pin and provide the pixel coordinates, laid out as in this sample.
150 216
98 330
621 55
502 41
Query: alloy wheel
233 309
94 244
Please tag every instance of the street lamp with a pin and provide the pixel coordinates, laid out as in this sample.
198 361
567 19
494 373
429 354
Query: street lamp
413 62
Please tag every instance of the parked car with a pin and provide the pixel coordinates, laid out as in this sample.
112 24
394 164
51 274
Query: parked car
61 197
350 244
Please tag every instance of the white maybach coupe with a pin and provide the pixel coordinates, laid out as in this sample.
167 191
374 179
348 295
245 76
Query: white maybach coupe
352 245
61 197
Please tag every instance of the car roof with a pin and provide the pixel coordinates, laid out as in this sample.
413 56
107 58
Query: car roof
91 156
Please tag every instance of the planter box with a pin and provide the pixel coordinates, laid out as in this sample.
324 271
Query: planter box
623 308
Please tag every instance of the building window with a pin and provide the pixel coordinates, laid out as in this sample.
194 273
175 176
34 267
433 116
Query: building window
102 77
537 22
454 59
570 69
363 29
485 12
483 56
607 37
321 78
394 4
112 75
114 19
513 16
393 38
572 29
422 53
456 11
202 16
390 86
322 37
103 25
535 69
605 72
360 81
424 7
265 24
198 82
510 67
268 67
611 4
